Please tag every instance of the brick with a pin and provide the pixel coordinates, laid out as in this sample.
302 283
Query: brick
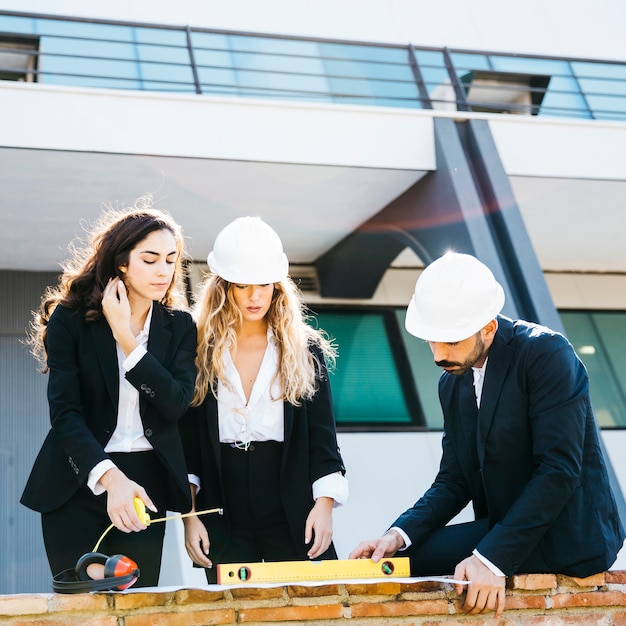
67 620
374 589
568 619
617 577
182 618
524 602
79 602
24 604
291 613
596 598
597 580
397 609
197 596
125 601
423 586
532 582
257 593
305 591
619 619
474 621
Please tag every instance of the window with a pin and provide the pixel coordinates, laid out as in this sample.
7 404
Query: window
376 381
600 341
18 58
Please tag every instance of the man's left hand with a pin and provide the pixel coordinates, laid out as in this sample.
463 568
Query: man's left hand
486 590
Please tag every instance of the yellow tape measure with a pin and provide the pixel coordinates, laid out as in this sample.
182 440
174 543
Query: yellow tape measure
144 517
294 571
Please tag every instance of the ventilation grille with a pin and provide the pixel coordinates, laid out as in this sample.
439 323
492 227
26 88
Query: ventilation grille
305 278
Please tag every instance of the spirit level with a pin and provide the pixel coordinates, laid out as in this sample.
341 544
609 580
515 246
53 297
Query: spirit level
293 571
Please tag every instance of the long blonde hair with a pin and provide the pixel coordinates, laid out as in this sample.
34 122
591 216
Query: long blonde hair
218 319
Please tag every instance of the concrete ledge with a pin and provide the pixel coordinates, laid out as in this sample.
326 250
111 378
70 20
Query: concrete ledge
532 599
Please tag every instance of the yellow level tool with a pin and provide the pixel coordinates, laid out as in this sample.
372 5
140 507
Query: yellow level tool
293 571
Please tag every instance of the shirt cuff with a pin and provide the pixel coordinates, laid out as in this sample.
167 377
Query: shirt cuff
405 537
133 358
97 472
495 570
194 480
333 486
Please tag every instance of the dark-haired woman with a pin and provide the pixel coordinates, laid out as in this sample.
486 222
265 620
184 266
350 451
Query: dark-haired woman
119 349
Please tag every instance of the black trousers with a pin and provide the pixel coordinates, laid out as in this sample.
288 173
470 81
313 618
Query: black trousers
73 529
258 524
446 547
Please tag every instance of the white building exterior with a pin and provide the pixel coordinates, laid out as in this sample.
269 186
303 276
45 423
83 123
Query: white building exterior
317 171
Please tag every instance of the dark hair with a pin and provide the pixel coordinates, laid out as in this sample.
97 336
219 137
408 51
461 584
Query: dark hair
92 264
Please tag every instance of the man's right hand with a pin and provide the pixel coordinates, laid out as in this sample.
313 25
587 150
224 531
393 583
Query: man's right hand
376 549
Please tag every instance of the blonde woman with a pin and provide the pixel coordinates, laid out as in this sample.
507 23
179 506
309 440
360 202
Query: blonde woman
261 441
119 352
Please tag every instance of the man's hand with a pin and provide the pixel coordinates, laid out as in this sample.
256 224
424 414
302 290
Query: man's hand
486 590
384 546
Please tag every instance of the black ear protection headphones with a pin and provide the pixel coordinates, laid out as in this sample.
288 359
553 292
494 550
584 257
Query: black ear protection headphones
120 572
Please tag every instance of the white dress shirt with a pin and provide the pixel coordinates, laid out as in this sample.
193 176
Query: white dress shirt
261 418
128 435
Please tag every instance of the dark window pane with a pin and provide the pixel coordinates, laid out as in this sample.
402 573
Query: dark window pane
600 341
366 383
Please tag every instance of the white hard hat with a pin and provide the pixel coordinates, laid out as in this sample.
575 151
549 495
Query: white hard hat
249 252
455 296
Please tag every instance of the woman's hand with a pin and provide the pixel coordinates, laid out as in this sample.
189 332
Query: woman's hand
197 541
120 506
319 527
116 310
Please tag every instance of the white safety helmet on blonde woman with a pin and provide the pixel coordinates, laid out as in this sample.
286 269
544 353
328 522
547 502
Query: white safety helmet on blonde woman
455 296
249 252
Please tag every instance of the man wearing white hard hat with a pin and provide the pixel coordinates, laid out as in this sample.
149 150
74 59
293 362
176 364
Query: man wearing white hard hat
520 443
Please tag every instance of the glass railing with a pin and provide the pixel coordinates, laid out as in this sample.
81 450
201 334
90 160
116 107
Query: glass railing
70 51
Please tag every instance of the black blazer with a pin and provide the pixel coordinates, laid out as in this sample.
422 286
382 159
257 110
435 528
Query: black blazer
310 452
542 478
83 391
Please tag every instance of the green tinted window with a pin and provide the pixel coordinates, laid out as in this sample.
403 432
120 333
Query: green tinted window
367 383
600 341
424 372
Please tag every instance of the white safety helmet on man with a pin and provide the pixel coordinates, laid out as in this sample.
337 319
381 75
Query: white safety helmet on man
249 252
455 296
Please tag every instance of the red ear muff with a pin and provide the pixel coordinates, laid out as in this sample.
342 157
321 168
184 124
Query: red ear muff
119 565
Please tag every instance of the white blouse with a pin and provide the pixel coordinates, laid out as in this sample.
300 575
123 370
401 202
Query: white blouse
262 417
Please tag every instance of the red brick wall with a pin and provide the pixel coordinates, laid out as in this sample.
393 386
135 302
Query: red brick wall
533 600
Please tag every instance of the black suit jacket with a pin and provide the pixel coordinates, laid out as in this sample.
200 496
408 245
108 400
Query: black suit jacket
83 392
310 452
542 480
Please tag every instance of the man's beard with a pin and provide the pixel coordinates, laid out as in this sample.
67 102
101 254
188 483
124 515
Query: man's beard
477 353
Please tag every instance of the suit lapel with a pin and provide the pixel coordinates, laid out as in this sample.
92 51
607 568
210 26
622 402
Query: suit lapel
107 356
212 426
160 334
288 412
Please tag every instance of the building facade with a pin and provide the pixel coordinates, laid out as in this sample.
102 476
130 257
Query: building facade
373 136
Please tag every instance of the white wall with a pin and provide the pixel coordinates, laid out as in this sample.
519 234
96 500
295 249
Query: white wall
582 28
